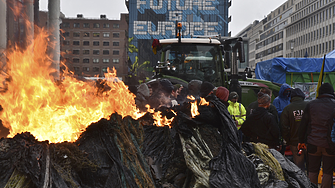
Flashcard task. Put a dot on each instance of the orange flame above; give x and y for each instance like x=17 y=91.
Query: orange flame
x=158 y=119
x=194 y=105
x=33 y=102
x=203 y=102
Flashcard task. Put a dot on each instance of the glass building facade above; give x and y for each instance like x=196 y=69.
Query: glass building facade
x=156 y=19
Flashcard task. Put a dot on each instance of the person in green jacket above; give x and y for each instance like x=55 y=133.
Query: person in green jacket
x=236 y=109
x=290 y=121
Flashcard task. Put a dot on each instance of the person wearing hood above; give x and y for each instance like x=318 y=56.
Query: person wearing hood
x=314 y=134
x=236 y=109
x=283 y=98
x=290 y=121
x=261 y=126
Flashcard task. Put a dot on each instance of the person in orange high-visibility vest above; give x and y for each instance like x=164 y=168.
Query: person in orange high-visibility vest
x=236 y=110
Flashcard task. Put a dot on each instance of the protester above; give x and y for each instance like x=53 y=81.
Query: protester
x=161 y=94
x=272 y=109
x=174 y=94
x=332 y=134
x=142 y=96
x=236 y=109
x=222 y=93
x=314 y=133
x=261 y=126
x=206 y=88
x=283 y=98
x=181 y=98
x=290 y=121
x=194 y=88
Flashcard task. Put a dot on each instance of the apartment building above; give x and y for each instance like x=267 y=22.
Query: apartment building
x=297 y=28
x=91 y=46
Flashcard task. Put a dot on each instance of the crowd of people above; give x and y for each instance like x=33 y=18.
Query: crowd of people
x=305 y=127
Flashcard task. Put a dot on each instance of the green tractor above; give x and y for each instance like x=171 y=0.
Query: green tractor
x=205 y=59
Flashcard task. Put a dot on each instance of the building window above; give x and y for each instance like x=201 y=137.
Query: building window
x=86 y=25
x=66 y=24
x=65 y=42
x=86 y=43
x=95 y=60
x=96 y=52
x=86 y=60
x=86 y=34
x=116 y=35
x=116 y=25
x=76 y=69
x=106 y=25
x=105 y=60
x=116 y=60
x=95 y=69
x=105 y=43
x=86 y=52
x=86 y=69
x=326 y=30
x=106 y=35
x=66 y=34
x=116 y=43
x=104 y=69
x=75 y=51
x=96 y=34
x=96 y=43
x=96 y=25
x=76 y=34
x=75 y=60
x=116 y=52
x=326 y=46
x=76 y=43
x=105 y=52
x=76 y=25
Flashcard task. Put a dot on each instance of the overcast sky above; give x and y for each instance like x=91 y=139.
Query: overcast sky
x=243 y=12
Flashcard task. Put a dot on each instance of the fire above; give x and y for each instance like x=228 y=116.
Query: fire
x=158 y=119
x=56 y=111
x=194 y=105
x=203 y=102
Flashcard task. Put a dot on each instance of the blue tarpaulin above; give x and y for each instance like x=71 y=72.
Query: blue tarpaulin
x=275 y=69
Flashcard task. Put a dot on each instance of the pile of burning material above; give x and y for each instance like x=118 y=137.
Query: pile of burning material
x=107 y=154
x=188 y=156
x=203 y=151
x=193 y=145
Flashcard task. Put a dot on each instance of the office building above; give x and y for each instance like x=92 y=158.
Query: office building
x=297 y=28
x=156 y=19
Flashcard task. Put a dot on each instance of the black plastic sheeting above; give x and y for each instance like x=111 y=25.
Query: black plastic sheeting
x=294 y=176
x=107 y=154
x=24 y=153
x=100 y=141
x=123 y=152
x=229 y=167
